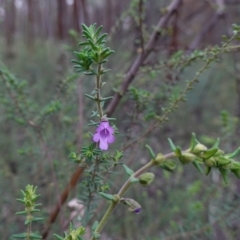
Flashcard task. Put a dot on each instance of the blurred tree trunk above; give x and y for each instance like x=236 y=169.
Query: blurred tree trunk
x=108 y=15
x=85 y=12
x=10 y=16
x=61 y=19
x=30 y=24
x=76 y=15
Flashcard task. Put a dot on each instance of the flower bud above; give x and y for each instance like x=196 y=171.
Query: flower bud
x=199 y=148
x=187 y=157
x=168 y=165
x=159 y=159
x=146 y=178
x=211 y=162
x=219 y=153
x=223 y=161
x=235 y=165
x=132 y=204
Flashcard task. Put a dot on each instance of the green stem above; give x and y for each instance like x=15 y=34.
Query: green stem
x=123 y=189
x=98 y=86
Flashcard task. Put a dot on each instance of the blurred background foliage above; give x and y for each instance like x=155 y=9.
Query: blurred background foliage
x=44 y=113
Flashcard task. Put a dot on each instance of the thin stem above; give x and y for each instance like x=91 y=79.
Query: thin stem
x=98 y=86
x=123 y=189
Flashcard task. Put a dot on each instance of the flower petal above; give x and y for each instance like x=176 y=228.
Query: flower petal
x=103 y=144
x=110 y=139
x=110 y=129
x=96 y=137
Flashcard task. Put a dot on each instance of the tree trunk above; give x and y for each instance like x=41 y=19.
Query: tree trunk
x=9 y=24
x=76 y=15
x=30 y=24
x=61 y=19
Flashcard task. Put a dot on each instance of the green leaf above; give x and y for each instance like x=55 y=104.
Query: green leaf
x=107 y=196
x=152 y=154
x=21 y=235
x=92 y=44
x=87 y=35
x=84 y=43
x=91 y=97
x=20 y=200
x=94 y=226
x=98 y=31
x=178 y=152
x=216 y=144
x=223 y=161
x=173 y=147
x=193 y=142
x=21 y=213
x=235 y=165
x=168 y=165
x=208 y=170
x=197 y=166
x=99 y=41
x=128 y=170
x=37 y=219
x=58 y=237
x=209 y=153
x=96 y=235
x=106 y=98
x=85 y=27
x=35 y=236
x=236 y=172
x=224 y=174
x=234 y=154
x=134 y=180
x=89 y=73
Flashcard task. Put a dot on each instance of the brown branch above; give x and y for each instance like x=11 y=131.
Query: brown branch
x=140 y=6
x=218 y=15
x=141 y=57
x=63 y=198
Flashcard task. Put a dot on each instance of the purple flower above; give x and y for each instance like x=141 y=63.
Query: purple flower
x=104 y=135
x=137 y=210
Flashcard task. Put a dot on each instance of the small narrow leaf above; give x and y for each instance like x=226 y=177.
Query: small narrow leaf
x=193 y=142
x=173 y=147
x=83 y=44
x=178 y=152
x=94 y=226
x=128 y=170
x=152 y=154
x=197 y=166
x=236 y=172
x=208 y=170
x=168 y=165
x=99 y=41
x=224 y=174
x=98 y=31
x=106 y=98
x=107 y=196
x=58 y=237
x=36 y=219
x=216 y=144
x=21 y=213
x=91 y=97
x=21 y=235
x=234 y=154
x=96 y=235
x=209 y=153
x=134 y=180
x=35 y=236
